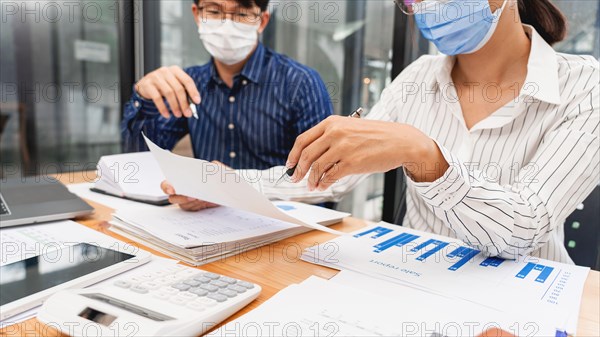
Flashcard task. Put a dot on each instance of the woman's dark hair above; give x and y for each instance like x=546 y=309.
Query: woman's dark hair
x=545 y=17
x=262 y=4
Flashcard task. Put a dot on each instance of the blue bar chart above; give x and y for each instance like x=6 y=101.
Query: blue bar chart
x=545 y=272
x=377 y=232
x=459 y=257
x=465 y=254
x=397 y=241
x=439 y=245
x=492 y=262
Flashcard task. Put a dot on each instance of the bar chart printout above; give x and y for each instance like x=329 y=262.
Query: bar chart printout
x=397 y=241
x=492 y=262
x=465 y=254
x=438 y=245
x=438 y=263
x=544 y=272
x=377 y=232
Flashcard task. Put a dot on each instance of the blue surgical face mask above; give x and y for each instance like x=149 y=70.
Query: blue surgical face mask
x=457 y=26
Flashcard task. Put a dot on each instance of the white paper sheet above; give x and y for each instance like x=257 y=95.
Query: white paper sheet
x=135 y=175
x=311 y=213
x=213 y=182
x=317 y=307
x=206 y=227
x=429 y=261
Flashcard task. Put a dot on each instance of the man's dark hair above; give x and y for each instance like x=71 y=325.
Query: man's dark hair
x=262 y=4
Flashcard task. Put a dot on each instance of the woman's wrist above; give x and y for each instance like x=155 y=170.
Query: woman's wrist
x=425 y=161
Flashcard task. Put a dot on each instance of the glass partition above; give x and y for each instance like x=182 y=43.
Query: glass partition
x=59 y=74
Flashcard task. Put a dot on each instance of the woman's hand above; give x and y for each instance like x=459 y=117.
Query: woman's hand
x=341 y=146
x=185 y=203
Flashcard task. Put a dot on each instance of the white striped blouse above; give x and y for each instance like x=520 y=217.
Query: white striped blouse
x=514 y=177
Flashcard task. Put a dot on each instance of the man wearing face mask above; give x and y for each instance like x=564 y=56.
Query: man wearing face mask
x=251 y=101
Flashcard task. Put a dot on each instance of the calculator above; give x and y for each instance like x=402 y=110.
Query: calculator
x=171 y=301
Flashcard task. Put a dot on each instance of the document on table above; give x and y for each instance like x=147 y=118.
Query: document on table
x=317 y=307
x=215 y=183
x=448 y=266
x=195 y=229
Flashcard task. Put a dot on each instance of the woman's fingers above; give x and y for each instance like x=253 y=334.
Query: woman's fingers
x=303 y=141
x=308 y=158
x=333 y=175
x=320 y=166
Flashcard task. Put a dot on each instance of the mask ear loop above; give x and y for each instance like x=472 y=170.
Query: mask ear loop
x=495 y=20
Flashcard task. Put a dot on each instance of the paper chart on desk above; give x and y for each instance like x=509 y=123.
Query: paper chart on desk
x=214 y=183
x=448 y=266
x=317 y=307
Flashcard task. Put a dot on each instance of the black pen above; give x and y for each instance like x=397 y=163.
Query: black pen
x=290 y=172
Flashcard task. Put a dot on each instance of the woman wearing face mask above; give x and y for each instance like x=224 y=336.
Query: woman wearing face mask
x=498 y=138
x=255 y=102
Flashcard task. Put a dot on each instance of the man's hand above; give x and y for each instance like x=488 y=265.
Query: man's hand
x=173 y=84
x=185 y=203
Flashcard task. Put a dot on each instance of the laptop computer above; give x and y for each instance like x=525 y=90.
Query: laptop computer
x=34 y=200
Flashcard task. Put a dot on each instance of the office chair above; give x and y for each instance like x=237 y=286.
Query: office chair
x=582 y=232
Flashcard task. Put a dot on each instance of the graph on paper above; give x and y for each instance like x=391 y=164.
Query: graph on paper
x=450 y=266
x=463 y=254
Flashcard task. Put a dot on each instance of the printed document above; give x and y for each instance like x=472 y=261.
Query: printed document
x=215 y=183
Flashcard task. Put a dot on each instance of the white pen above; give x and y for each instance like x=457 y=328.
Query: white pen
x=193 y=107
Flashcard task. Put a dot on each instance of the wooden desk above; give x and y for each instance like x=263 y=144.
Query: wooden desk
x=276 y=266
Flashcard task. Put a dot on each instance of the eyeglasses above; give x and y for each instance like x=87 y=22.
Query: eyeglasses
x=240 y=15
x=410 y=7
x=406 y=6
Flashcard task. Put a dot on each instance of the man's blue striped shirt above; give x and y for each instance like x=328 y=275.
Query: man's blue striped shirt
x=252 y=125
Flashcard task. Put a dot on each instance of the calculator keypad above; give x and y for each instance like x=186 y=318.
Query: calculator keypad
x=192 y=288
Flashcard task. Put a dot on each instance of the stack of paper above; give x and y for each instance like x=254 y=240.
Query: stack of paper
x=134 y=176
x=447 y=266
x=210 y=234
x=352 y=306
x=223 y=186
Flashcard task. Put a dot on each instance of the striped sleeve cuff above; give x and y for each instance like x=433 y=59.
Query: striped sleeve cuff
x=450 y=189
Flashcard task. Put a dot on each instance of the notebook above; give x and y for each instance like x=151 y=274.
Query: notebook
x=133 y=176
